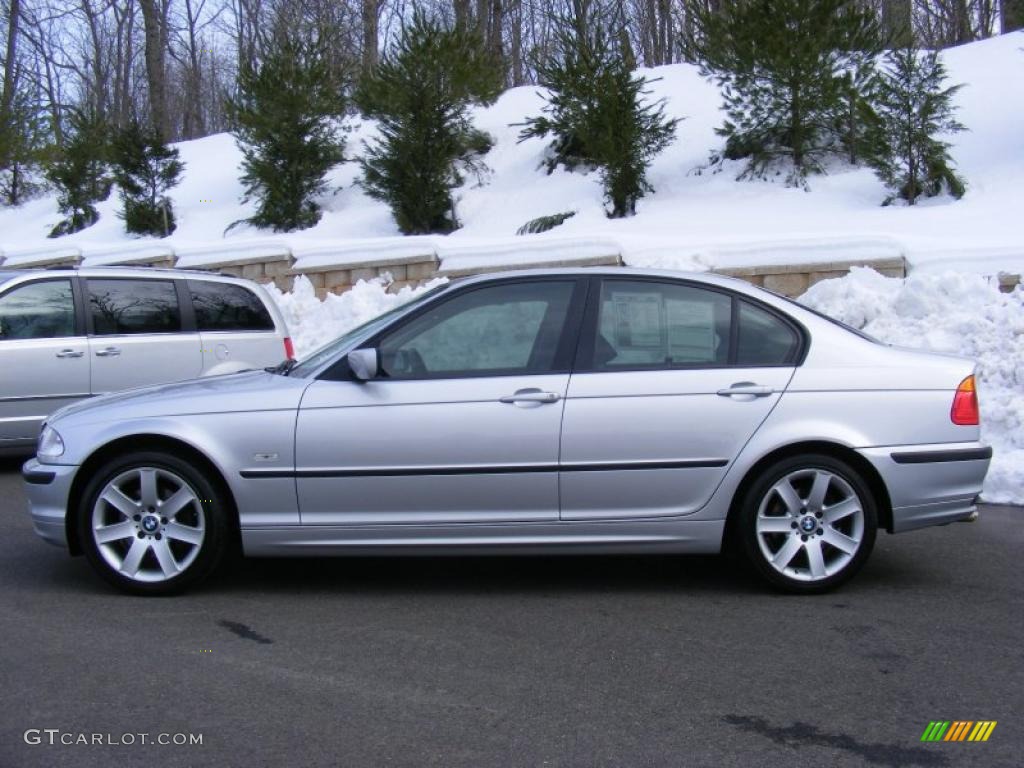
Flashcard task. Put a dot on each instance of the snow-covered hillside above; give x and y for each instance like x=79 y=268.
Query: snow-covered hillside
x=689 y=216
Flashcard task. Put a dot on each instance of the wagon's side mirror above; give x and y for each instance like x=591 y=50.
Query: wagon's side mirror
x=364 y=363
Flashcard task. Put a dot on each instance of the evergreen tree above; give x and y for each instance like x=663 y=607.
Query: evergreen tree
x=421 y=93
x=22 y=142
x=785 y=67
x=284 y=118
x=145 y=169
x=595 y=107
x=909 y=107
x=79 y=172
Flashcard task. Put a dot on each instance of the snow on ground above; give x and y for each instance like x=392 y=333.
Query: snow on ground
x=950 y=312
x=693 y=218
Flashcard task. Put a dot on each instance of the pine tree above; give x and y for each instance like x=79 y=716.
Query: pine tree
x=22 y=142
x=784 y=67
x=909 y=106
x=79 y=172
x=595 y=107
x=145 y=169
x=421 y=93
x=284 y=118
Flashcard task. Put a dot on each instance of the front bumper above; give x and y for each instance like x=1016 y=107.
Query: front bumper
x=48 y=487
x=931 y=484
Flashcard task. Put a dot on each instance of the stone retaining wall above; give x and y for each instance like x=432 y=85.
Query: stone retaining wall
x=419 y=266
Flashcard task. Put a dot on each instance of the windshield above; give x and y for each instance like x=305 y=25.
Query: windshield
x=314 y=360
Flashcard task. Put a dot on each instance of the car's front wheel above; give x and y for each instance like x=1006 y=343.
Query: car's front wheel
x=808 y=523
x=151 y=524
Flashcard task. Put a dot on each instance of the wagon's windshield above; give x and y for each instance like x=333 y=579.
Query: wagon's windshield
x=317 y=358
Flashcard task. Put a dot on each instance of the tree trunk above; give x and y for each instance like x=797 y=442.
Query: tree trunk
x=1012 y=16
x=10 y=61
x=371 y=50
x=962 y=22
x=518 y=75
x=154 y=21
x=896 y=22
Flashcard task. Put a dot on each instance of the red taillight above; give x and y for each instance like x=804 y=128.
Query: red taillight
x=289 y=350
x=965 y=403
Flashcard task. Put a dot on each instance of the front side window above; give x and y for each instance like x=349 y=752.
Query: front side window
x=644 y=324
x=39 y=310
x=498 y=330
x=228 y=307
x=133 y=306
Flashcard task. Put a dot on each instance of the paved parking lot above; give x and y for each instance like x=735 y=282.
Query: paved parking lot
x=654 y=661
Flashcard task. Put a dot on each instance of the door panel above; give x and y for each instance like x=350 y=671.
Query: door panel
x=672 y=420
x=419 y=451
x=43 y=358
x=675 y=378
x=462 y=425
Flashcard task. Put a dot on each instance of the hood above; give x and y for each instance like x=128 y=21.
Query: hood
x=249 y=391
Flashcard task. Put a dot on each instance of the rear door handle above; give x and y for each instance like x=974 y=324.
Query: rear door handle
x=69 y=353
x=108 y=352
x=530 y=396
x=746 y=388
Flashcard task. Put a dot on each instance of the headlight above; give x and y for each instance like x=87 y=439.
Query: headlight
x=50 y=445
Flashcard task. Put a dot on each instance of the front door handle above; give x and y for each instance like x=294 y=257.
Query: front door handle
x=748 y=388
x=530 y=396
x=69 y=353
x=108 y=352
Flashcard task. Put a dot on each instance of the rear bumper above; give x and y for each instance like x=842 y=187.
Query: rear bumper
x=48 y=487
x=931 y=484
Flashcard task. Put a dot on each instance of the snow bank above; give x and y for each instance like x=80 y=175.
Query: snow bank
x=313 y=322
x=950 y=312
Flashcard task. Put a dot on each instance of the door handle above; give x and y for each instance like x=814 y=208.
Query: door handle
x=530 y=396
x=69 y=353
x=108 y=352
x=746 y=388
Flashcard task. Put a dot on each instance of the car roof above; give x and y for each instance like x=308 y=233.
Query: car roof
x=708 y=278
x=117 y=271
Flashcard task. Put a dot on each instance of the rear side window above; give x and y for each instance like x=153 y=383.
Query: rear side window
x=228 y=307
x=39 y=310
x=764 y=339
x=133 y=306
x=660 y=325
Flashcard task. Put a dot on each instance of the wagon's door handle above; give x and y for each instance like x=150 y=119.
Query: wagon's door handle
x=746 y=388
x=108 y=352
x=69 y=353
x=530 y=396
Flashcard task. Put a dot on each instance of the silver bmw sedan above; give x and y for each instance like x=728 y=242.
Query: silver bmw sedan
x=555 y=411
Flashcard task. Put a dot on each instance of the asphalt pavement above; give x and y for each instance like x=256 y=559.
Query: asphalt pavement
x=560 y=661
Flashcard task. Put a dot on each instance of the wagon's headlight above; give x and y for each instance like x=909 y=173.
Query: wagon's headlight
x=50 y=445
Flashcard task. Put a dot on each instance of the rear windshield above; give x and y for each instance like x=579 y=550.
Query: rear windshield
x=228 y=307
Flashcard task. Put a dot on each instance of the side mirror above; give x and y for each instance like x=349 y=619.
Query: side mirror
x=364 y=363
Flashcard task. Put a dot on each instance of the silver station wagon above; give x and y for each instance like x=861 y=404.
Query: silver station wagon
x=569 y=411
x=66 y=334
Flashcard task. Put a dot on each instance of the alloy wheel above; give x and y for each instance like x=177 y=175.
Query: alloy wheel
x=810 y=525
x=148 y=524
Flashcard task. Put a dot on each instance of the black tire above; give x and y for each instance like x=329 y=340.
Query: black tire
x=796 y=577
x=214 y=511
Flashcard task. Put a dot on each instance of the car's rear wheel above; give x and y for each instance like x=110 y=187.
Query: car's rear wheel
x=807 y=523
x=151 y=524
